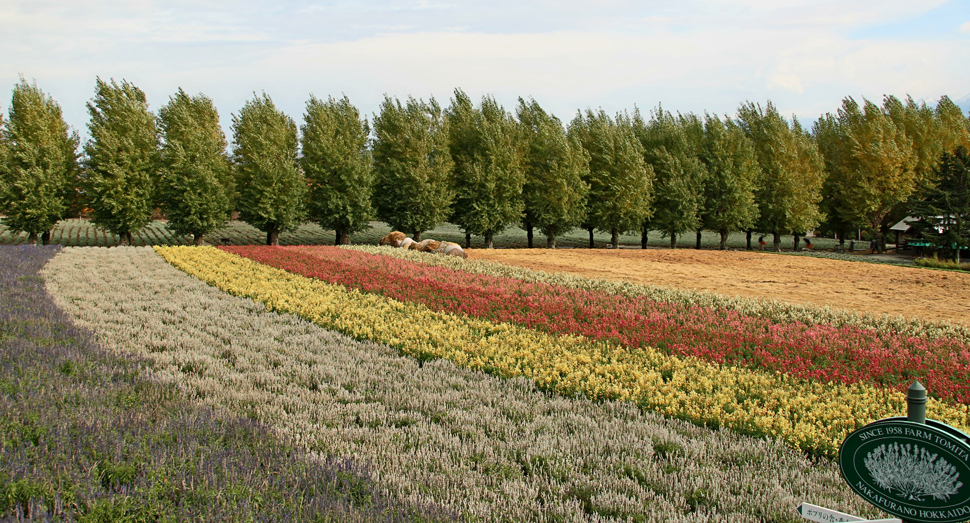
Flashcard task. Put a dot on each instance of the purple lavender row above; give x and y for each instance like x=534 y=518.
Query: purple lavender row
x=85 y=434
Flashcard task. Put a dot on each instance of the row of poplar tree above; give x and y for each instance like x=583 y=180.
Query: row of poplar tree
x=479 y=167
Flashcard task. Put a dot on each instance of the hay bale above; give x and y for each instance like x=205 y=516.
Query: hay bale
x=426 y=246
x=394 y=239
x=454 y=249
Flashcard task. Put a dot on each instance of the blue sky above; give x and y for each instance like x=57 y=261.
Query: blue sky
x=693 y=55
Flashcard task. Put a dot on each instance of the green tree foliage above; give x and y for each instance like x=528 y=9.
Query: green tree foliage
x=271 y=187
x=944 y=211
x=838 y=217
x=555 y=165
x=488 y=167
x=878 y=165
x=338 y=166
x=620 y=181
x=412 y=166
x=195 y=180
x=40 y=156
x=792 y=172
x=732 y=171
x=671 y=149
x=121 y=159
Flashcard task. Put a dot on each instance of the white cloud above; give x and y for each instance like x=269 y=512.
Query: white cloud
x=965 y=27
x=705 y=55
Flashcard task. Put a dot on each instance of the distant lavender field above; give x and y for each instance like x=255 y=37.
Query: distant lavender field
x=88 y=436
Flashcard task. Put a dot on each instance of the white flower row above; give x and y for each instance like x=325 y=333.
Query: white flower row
x=493 y=449
x=768 y=308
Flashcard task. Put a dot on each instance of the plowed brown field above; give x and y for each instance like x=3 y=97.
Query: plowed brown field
x=864 y=287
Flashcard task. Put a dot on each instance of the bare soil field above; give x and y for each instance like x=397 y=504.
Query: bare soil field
x=863 y=287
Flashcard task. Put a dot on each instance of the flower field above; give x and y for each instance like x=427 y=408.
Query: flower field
x=810 y=415
x=385 y=385
x=430 y=432
x=846 y=354
x=88 y=435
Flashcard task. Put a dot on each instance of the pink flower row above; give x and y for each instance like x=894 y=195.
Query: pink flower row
x=821 y=352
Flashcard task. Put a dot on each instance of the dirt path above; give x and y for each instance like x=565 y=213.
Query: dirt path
x=867 y=287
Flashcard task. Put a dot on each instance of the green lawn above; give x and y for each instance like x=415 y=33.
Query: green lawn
x=79 y=232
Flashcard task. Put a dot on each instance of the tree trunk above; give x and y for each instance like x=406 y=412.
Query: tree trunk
x=590 y=229
x=748 y=237
x=197 y=239
x=45 y=238
x=643 y=238
x=417 y=236
x=468 y=240
x=776 y=241
x=32 y=238
x=488 y=241
x=551 y=241
x=841 y=235
x=343 y=237
x=795 y=246
x=615 y=238
x=724 y=238
x=673 y=241
x=698 y=246
x=528 y=234
x=272 y=236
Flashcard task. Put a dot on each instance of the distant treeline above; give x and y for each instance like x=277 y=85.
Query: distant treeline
x=416 y=165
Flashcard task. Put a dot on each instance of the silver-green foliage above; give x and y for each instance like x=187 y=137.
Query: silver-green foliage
x=554 y=192
x=338 y=166
x=767 y=308
x=195 y=182
x=271 y=187
x=491 y=449
x=121 y=159
x=620 y=181
x=412 y=165
x=40 y=155
x=488 y=166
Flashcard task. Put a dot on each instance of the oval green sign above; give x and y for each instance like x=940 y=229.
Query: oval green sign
x=910 y=470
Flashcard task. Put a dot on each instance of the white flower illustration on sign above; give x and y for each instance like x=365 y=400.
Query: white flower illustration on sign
x=911 y=472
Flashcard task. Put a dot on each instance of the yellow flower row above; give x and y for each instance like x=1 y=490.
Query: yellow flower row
x=814 y=417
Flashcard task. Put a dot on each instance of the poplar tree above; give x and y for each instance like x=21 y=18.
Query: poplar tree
x=679 y=174
x=121 y=159
x=338 y=166
x=554 y=192
x=878 y=168
x=39 y=153
x=195 y=181
x=271 y=187
x=831 y=144
x=732 y=171
x=792 y=172
x=620 y=182
x=488 y=167
x=412 y=166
